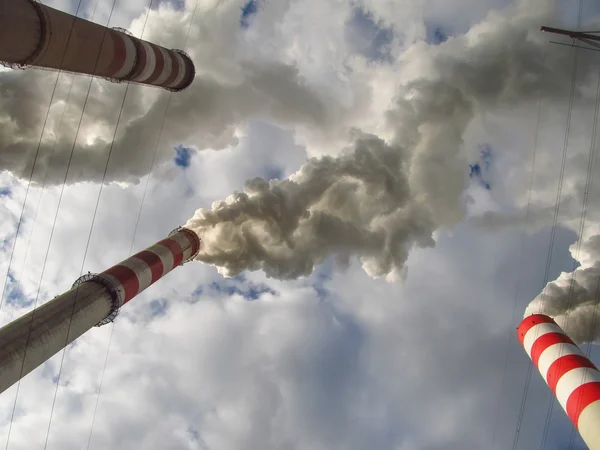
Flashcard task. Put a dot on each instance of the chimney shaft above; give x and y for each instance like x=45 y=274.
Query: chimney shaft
x=32 y=34
x=93 y=300
x=573 y=379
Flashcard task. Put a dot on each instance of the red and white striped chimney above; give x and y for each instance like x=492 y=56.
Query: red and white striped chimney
x=573 y=379
x=136 y=273
x=93 y=300
x=32 y=34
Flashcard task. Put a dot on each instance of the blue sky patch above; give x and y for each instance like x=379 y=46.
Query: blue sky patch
x=479 y=171
x=14 y=293
x=178 y=5
x=367 y=37
x=272 y=172
x=194 y=433
x=4 y=244
x=321 y=276
x=438 y=36
x=476 y=173
x=486 y=155
x=158 y=307
x=239 y=285
x=248 y=10
x=5 y=191
x=198 y=291
x=183 y=156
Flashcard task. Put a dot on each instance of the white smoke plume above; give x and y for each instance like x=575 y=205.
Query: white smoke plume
x=573 y=298
x=207 y=112
x=359 y=203
x=379 y=199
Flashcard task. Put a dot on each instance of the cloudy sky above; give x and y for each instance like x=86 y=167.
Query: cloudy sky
x=397 y=166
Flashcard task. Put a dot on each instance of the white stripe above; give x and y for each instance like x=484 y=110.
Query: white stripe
x=572 y=380
x=537 y=331
x=150 y=63
x=165 y=256
x=588 y=425
x=142 y=271
x=167 y=67
x=129 y=56
x=181 y=73
x=116 y=284
x=554 y=352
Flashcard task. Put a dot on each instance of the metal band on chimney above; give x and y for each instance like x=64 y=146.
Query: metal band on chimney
x=45 y=31
x=113 y=290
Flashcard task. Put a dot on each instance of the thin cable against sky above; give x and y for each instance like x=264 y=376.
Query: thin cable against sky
x=135 y=229
x=37 y=153
x=554 y=226
x=518 y=270
x=52 y=233
x=93 y=219
x=21 y=219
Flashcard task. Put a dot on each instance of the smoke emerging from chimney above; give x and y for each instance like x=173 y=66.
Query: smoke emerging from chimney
x=380 y=199
x=359 y=203
x=572 y=299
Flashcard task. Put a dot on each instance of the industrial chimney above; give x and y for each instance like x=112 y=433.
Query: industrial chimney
x=32 y=34
x=573 y=379
x=94 y=299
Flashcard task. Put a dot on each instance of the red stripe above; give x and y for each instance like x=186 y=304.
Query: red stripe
x=158 y=67
x=582 y=397
x=174 y=68
x=545 y=341
x=140 y=61
x=153 y=261
x=119 y=53
x=529 y=322
x=127 y=278
x=563 y=365
x=175 y=250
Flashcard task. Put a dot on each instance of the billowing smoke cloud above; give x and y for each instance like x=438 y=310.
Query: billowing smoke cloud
x=207 y=112
x=573 y=298
x=379 y=199
x=359 y=203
